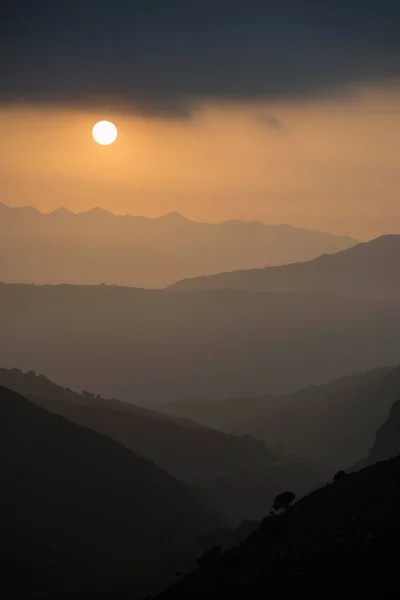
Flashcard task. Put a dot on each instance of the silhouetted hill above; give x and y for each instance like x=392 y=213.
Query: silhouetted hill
x=97 y=246
x=340 y=541
x=334 y=423
x=160 y=345
x=77 y=508
x=387 y=441
x=366 y=270
x=238 y=474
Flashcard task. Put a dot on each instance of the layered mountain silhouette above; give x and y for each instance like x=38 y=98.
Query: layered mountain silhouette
x=162 y=345
x=97 y=246
x=238 y=475
x=82 y=516
x=340 y=541
x=78 y=509
x=368 y=270
x=334 y=423
x=387 y=441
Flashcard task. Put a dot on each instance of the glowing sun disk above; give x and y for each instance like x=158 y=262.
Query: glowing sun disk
x=104 y=133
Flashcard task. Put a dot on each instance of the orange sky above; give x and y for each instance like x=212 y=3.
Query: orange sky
x=326 y=164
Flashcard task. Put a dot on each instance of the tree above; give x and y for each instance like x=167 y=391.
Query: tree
x=283 y=500
x=340 y=475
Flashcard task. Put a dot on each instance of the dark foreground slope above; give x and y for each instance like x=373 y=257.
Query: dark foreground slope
x=334 y=423
x=238 y=474
x=78 y=509
x=162 y=345
x=340 y=541
x=366 y=270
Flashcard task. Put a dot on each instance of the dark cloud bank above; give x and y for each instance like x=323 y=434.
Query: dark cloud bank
x=161 y=56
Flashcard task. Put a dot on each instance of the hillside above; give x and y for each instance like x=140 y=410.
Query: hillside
x=75 y=501
x=237 y=474
x=158 y=345
x=367 y=270
x=140 y=251
x=387 y=441
x=340 y=541
x=334 y=423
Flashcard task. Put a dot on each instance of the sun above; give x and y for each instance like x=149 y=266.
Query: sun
x=104 y=133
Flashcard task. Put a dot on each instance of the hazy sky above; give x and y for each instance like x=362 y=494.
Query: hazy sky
x=224 y=110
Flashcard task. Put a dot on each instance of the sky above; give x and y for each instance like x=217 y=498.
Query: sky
x=282 y=112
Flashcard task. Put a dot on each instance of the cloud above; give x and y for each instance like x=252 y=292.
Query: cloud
x=122 y=102
x=270 y=121
x=161 y=58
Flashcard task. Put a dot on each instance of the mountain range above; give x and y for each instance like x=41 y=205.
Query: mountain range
x=97 y=246
x=155 y=346
x=216 y=424
x=78 y=509
x=82 y=516
x=334 y=423
x=368 y=270
x=345 y=533
x=238 y=475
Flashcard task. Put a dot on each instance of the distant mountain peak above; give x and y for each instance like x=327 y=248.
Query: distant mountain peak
x=145 y=251
x=97 y=210
x=61 y=211
x=174 y=217
x=366 y=270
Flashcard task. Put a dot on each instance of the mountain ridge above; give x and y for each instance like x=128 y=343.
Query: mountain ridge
x=218 y=465
x=345 y=533
x=366 y=269
x=161 y=345
x=335 y=421
x=78 y=502
x=387 y=439
x=97 y=246
x=171 y=215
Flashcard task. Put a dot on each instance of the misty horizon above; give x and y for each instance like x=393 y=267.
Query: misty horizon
x=144 y=252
